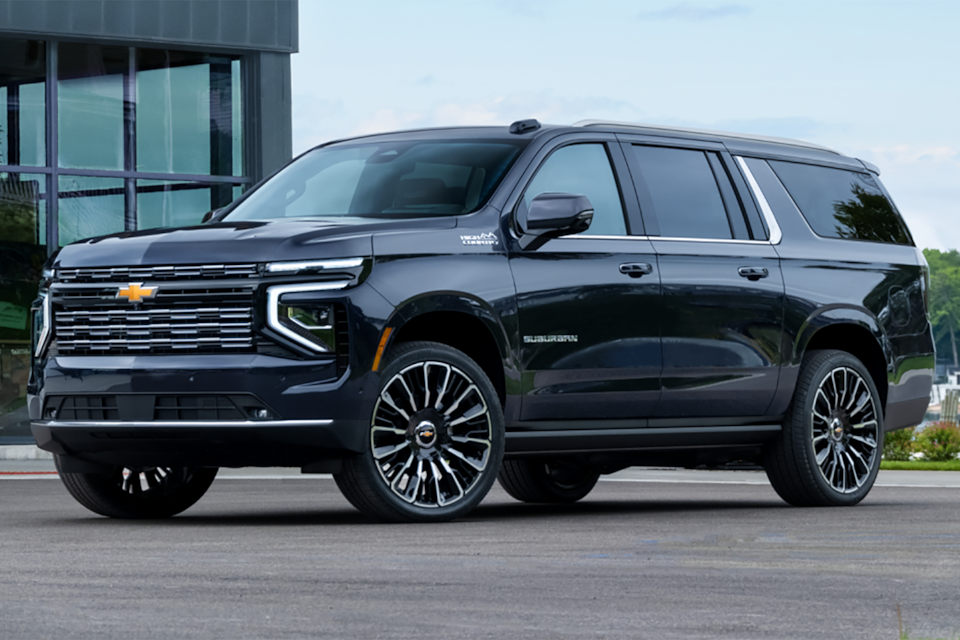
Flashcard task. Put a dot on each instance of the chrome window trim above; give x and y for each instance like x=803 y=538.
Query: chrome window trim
x=667 y=238
x=775 y=234
x=273 y=301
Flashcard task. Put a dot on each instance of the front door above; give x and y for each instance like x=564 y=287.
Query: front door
x=588 y=316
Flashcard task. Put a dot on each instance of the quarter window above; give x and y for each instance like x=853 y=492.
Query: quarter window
x=583 y=169
x=683 y=191
x=842 y=204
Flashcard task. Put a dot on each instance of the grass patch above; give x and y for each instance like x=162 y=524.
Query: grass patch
x=919 y=465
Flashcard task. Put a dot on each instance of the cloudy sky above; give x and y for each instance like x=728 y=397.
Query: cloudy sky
x=879 y=80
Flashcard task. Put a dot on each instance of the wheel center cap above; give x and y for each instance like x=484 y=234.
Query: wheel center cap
x=836 y=428
x=425 y=434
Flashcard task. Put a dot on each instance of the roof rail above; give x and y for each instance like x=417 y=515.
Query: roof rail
x=725 y=134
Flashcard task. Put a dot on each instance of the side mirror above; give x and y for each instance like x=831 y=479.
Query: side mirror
x=552 y=215
x=210 y=215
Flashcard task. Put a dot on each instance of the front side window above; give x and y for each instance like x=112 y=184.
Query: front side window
x=842 y=204
x=390 y=179
x=684 y=192
x=583 y=170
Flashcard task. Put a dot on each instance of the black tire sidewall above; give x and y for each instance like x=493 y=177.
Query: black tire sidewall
x=528 y=480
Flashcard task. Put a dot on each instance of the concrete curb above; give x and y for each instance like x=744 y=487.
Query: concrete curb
x=24 y=452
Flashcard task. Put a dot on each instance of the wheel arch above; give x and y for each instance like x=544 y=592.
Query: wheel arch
x=853 y=331
x=462 y=322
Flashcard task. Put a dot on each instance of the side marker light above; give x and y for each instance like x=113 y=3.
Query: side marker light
x=380 y=347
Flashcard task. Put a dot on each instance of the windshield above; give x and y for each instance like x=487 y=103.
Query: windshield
x=388 y=179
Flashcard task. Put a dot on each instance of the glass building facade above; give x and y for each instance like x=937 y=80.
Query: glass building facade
x=103 y=137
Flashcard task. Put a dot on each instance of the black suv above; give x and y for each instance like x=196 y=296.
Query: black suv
x=419 y=313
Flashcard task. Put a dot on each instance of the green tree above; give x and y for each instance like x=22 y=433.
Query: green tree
x=869 y=216
x=945 y=296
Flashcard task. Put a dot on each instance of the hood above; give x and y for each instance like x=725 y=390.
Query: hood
x=248 y=241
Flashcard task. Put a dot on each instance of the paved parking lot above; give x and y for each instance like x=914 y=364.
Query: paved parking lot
x=649 y=554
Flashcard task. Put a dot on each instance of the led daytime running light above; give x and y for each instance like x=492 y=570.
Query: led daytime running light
x=315 y=265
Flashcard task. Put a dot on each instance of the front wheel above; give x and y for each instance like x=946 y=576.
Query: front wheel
x=435 y=442
x=553 y=481
x=153 y=492
x=828 y=453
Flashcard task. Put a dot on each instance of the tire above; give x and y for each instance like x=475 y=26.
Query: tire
x=551 y=481
x=152 y=493
x=829 y=450
x=436 y=439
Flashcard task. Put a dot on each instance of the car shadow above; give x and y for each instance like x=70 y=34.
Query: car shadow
x=496 y=512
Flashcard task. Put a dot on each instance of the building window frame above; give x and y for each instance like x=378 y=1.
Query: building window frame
x=223 y=185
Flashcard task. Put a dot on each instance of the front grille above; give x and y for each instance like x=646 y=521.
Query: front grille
x=175 y=408
x=105 y=318
x=83 y=408
x=175 y=272
x=124 y=330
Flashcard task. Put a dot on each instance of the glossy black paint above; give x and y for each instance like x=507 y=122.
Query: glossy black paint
x=678 y=352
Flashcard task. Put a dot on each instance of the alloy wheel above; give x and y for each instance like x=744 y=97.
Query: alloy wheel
x=431 y=436
x=845 y=430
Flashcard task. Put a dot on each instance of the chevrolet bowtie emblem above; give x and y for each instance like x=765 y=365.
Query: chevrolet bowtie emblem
x=134 y=292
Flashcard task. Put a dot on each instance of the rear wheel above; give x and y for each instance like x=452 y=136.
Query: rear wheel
x=153 y=492
x=436 y=439
x=828 y=453
x=538 y=480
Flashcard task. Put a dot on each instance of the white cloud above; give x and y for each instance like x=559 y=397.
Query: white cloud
x=907 y=154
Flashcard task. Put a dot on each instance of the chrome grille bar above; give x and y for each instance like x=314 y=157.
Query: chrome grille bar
x=182 y=272
x=120 y=330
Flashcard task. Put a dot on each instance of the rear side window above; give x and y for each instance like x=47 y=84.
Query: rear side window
x=842 y=204
x=684 y=193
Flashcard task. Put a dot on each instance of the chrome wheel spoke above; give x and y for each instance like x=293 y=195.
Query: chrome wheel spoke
x=441 y=394
x=386 y=397
x=870 y=442
x=823 y=455
x=478 y=465
x=382 y=452
x=403 y=383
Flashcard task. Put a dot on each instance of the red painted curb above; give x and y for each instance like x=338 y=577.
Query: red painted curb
x=27 y=473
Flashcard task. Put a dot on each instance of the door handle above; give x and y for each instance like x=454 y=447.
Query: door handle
x=636 y=269
x=753 y=273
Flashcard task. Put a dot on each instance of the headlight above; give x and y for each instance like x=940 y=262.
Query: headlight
x=40 y=321
x=306 y=322
x=312 y=323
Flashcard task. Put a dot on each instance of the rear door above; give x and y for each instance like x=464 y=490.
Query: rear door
x=587 y=303
x=721 y=313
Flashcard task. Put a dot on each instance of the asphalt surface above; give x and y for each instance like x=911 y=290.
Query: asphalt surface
x=649 y=554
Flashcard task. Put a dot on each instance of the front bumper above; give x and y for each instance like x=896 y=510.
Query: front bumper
x=286 y=443
x=219 y=410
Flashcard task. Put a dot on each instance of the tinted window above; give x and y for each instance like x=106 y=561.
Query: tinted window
x=583 y=169
x=842 y=204
x=683 y=191
x=397 y=180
